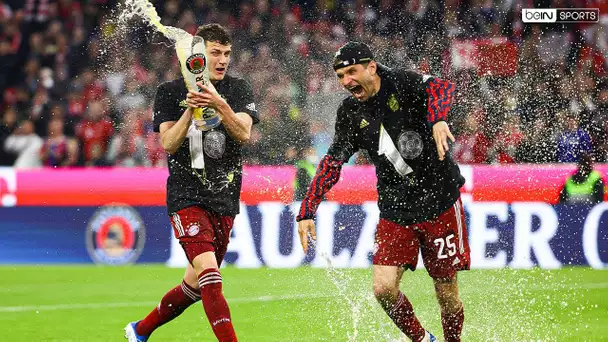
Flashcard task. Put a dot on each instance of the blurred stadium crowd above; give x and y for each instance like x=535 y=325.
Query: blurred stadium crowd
x=77 y=87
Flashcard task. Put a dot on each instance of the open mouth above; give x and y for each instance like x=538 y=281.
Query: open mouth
x=356 y=90
x=220 y=70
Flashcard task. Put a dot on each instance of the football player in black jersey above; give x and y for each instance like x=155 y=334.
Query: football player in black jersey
x=398 y=116
x=204 y=184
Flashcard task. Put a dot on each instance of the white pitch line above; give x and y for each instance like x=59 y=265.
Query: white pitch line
x=55 y=307
x=136 y=304
x=590 y=286
x=557 y=288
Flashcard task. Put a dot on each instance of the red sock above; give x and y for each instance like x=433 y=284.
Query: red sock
x=216 y=307
x=452 y=325
x=172 y=305
x=402 y=313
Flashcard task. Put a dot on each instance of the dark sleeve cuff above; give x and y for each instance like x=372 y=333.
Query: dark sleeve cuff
x=305 y=217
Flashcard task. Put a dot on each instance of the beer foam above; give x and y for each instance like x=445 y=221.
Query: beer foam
x=146 y=10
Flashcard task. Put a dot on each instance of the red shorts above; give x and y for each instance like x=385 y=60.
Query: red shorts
x=199 y=231
x=443 y=242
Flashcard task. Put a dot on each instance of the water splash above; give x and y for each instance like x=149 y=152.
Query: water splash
x=361 y=305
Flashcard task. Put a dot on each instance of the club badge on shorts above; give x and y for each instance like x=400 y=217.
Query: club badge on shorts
x=193 y=229
x=115 y=235
x=215 y=144
x=410 y=144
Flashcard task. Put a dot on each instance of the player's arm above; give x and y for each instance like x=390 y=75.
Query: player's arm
x=238 y=125
x=326 y=176
x=173 y=127
x=439 y=96
x=173 y=133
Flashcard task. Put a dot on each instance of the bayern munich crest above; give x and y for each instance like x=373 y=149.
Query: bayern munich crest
x=193 y=229
x=410 y=144
x=196 y=63
x=115 y=235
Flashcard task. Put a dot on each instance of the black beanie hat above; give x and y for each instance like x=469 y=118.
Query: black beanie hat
x=352 y=53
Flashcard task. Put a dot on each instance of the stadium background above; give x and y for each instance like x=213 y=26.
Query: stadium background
x=82 y=173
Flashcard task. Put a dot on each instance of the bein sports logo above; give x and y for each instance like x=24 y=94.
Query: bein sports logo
x=560 y=15
x=8 y=187
x=115 y=235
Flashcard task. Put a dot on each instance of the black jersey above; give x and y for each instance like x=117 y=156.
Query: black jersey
x=395 y=127
x=206 y=170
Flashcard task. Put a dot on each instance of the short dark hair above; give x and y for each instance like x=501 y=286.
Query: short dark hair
x=214 y=33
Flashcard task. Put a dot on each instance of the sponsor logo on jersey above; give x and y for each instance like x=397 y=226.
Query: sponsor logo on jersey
x=251 y=107
x=115 y=235
x=363 y=124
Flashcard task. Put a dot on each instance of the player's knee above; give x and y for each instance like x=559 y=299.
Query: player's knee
x=451 y=306
x=192 y=282
x=449 y=301
x=447 y=294
x=385 y=293
x=204 y=261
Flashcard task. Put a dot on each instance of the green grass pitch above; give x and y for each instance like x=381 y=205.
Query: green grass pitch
x=90 y=303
